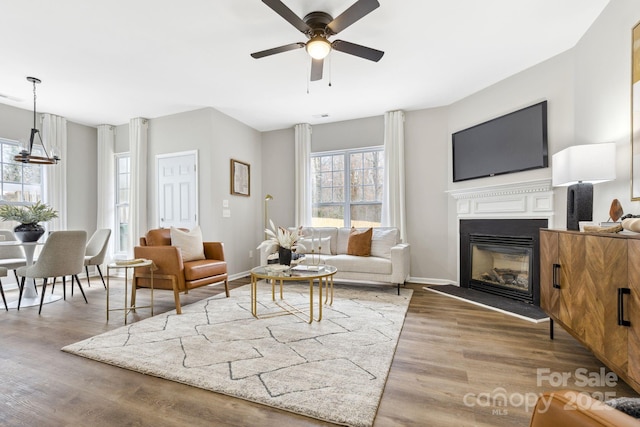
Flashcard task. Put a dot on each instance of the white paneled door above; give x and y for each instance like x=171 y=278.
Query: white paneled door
x=177 y=189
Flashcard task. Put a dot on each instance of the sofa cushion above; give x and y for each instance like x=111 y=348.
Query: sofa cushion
x=358 y=264
x=360 y=242
x=383 y=240
x=318 y=245
x=189 y=243
x=200 y=269
x=320 y=232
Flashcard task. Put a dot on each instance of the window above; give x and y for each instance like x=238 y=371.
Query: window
x=346 y=188
x=21 y=183
x=123 y=179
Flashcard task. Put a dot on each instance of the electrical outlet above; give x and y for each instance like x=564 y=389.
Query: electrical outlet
x=250 y=254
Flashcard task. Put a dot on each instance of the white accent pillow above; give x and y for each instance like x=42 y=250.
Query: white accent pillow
x=383 y=240
x=324 y=243
x=189 y=243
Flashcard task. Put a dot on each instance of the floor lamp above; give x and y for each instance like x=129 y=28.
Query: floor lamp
x=578 y=168
x=267 y=198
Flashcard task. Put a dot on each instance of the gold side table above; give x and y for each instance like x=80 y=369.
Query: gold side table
x=143 y=263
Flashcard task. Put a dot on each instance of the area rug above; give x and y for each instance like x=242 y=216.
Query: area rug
x=504 y=305
x=333 y=370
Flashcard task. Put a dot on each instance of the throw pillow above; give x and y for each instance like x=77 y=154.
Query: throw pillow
x=324 y=243
x=360 y=242
x=189 y=243
x=628 y=405
x=383 y=240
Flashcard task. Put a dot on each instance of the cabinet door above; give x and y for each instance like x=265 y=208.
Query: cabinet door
x=572 y=257
x=549 y=270
x=632 y=311
x=607 y=271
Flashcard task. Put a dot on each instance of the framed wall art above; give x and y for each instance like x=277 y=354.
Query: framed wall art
x=635 y=113
x=240 y=178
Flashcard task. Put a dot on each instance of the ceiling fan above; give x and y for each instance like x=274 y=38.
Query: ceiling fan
x=318 y=27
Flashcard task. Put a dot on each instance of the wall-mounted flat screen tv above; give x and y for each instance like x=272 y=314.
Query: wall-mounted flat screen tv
x=514 y=142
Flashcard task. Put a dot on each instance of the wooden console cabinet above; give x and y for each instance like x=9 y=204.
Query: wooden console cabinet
x=590 y=285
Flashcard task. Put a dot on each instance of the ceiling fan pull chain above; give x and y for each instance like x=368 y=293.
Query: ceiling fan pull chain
x=330 y=67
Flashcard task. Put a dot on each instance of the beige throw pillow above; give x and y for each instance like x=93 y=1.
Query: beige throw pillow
x=324 y=245
x=189 y=243
x=360 y=242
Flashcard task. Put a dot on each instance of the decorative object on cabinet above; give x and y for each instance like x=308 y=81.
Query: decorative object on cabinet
x=579 y=167
x=615 y=211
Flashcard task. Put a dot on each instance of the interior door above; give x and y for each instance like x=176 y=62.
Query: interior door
x=177 y=189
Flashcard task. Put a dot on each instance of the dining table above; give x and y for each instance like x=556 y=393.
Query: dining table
x=29 y=296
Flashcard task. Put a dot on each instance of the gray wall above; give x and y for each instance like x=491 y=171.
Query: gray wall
x=217 y=138
x=81 y=164
x=588 y=94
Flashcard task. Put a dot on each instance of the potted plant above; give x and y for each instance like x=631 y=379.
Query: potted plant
x=285 y=240
x=29 y=218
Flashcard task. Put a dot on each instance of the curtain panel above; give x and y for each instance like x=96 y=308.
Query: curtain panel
x=54 y=137
x=393 y=204
x=138 y=192
x=303 y=174
x=106 y=182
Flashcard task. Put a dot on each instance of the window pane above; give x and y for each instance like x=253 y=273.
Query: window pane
x=32 y=174
x=369 y=215
x=327 y=216
x=11 y=173
x=20 y=182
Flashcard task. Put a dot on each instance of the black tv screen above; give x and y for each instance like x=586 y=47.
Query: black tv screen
x=512 y=143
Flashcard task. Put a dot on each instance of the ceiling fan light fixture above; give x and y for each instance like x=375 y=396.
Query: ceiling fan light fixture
x=318 y=47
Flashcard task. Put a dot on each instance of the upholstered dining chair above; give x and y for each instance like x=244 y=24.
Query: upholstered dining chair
x=96 y=251
x=3 y=273
x=62 y=255
x=11 y=256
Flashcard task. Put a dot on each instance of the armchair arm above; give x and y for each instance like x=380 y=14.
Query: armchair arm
x=214 y=250
x=400 y=262
x=166 y=258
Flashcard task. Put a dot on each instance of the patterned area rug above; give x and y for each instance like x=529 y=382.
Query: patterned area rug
x=333 y=370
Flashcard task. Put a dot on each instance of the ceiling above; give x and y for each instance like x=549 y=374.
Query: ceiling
x=108 y=61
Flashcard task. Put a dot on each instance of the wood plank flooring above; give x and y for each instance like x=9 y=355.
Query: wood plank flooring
x=452 y=359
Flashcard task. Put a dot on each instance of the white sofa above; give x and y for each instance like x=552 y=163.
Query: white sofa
x=389 y=261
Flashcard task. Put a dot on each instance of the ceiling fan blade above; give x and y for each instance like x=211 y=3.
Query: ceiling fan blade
x=293 y=19
x=355 y=12
x=316 y=69
x=357 y=50
x=275 y=50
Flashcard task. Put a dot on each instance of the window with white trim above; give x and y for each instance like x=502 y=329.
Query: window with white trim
x=123 y=185
x=346 y=188
x=21 y=183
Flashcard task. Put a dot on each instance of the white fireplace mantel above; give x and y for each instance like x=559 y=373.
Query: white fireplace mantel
x=528 y=199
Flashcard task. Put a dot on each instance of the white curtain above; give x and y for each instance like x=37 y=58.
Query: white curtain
x=54 y=137
x=106 y=182
x=138 y=191
x=303 y=174
x=393 y=205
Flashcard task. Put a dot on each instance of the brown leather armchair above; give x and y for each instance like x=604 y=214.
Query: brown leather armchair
x=174 y=274
x=569 y=408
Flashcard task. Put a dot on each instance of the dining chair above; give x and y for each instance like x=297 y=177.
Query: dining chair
x=62 y=255
x=11 y=256
x=96 y=251
x=3 y=273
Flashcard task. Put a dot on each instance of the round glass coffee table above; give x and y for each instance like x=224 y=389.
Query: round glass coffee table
x=276 y=273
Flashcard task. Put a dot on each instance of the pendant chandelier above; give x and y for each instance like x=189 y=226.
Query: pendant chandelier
x=26 y=156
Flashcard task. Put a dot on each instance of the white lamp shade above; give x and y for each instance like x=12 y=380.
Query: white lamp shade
x=590 y=163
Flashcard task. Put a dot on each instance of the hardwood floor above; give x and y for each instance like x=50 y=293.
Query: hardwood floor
x=452 y=359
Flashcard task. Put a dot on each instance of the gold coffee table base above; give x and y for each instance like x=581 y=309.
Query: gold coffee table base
x=323 y=276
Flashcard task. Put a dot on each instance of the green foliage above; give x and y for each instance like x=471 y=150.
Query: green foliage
x=38 y=212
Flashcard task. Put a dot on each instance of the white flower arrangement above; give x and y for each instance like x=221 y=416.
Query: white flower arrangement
x=281 y=237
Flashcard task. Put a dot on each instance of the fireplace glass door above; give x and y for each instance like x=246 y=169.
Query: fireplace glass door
x=502 y=268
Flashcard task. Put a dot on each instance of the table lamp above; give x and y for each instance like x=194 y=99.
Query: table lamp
x=578 y=168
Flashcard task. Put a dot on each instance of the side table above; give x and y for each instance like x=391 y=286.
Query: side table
x=127 y=265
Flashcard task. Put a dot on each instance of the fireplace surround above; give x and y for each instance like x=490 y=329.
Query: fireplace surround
x=525 y=200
